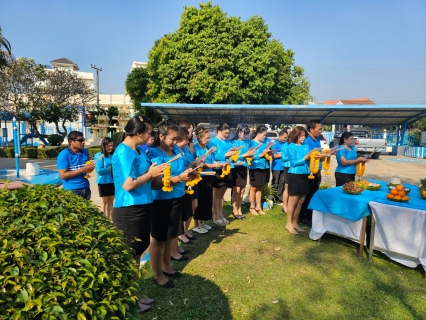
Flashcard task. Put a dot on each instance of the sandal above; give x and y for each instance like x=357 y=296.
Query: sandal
x=219 y=222
x=199 y=230
x=253 y=212
x=238 y=216
x=205 y=226
x=260 y=211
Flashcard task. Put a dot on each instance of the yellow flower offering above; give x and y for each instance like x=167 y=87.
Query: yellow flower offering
x=268 y=157
x=87 y=175
x=360 y=168
x=249 y=159
x=166 y=179
x=235 y=156
x=326 y=162
x=225 y=171
x=313 y=164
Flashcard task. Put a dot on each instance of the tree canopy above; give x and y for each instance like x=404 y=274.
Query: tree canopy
x=212 y=58
x=5 y=51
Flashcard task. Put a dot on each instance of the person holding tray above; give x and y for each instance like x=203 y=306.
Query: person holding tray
x=347 y=159
x=167 y=219
x=259 y=168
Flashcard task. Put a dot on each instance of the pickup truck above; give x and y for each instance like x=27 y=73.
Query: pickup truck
x=364 y=143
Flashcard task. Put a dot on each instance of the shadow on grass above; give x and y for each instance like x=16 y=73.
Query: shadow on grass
x=194 y=297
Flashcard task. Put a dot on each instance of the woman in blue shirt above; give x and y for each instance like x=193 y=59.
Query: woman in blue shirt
x=167 y=220
x=347 y=159
x=104 y=178
x=221 y=155
x=286 y=164
x=259 y=169
x=298 y=182
x=133 y=174
x=239 y=170
x=203 y=211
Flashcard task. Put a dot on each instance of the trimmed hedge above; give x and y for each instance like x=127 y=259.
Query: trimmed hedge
x=55 y=139
x=61 y=259
x=45 y=153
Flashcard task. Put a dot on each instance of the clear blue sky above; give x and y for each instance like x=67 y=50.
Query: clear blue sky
x=348 y=48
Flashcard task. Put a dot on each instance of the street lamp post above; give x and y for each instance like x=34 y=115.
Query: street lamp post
x=97 y=82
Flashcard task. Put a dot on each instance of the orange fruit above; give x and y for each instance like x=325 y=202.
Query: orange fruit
x=405 y=198
x=394 y=192
x=401 y=193
x=399 y=188
x=390 y=196
x=397 y=198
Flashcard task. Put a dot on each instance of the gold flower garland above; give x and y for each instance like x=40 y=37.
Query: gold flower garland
x=326 y=162
x=268 y=157
x=235 y=156
x=313 y=164
x=360 y=168
x=225 y=171
x=193 y=182
x=166 y=179
x=249 y=159
x=87 y=175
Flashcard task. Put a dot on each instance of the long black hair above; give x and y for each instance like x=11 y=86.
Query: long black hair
x=106 y=141
x=345 y=135
x=163 y=128
x=241 y=128
x=260 y=129
x=135 y=125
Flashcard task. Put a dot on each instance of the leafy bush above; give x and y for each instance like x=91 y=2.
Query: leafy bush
x=114 y=138
x=60 y=259
x=31 y=152
x=93 y=151
x=55 y=139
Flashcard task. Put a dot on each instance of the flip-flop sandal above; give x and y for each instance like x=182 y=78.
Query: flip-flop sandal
x=205 y=226
x=199 y=230
x=219 y=222
x=254 y=212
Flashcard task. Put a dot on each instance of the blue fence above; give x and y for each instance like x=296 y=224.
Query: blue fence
x=415 y=152
x=391 y=138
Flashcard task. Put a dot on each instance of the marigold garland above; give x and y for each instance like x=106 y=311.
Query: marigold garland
x=235 y=156
x=326 y=162
x=225 y=171
x=360 y=168
x=313 y=164
x=193 y=182
x=87 y=175
x=249 y=159
x=166 y=179
x=268 y=157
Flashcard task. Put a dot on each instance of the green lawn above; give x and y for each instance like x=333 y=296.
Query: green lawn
x=254 y=269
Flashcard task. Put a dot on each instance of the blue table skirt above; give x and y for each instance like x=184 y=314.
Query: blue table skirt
x=352 y=207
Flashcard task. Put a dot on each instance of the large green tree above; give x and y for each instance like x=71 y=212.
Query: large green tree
x=136 y=87
x=213 y=58
x=5 y=51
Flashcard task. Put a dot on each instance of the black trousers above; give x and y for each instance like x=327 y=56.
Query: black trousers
x=305 y=213
x=342 y=178
x=278 y=182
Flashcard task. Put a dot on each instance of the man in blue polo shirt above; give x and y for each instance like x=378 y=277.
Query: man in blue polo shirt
x=72 y=167
x=312 y=141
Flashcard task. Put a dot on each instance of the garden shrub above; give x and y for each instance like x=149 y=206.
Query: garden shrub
x=55 y=139
x=93 y=150
x=61 y=259
x=114 y=138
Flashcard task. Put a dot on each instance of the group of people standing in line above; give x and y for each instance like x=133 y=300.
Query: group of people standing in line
x=148 y=191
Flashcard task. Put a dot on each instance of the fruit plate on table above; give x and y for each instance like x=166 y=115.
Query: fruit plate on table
x=355 y=193
x=373 y=186
x=393 y=187
x=398 y=200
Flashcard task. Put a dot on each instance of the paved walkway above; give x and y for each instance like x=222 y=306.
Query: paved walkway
x=408 y=170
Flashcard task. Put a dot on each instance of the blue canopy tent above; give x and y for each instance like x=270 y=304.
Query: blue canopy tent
x=401 y=115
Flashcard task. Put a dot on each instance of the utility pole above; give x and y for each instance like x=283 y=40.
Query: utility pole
x=97 y=83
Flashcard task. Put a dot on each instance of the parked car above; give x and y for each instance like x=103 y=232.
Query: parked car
x=364 y=143
x=272 y=135
x=324 y=142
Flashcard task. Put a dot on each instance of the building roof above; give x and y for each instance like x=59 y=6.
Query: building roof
x=380 y=114
x=64 y=61
x=356 y=101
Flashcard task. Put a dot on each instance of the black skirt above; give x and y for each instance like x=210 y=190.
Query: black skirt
x=298 y=184
x=342 y=178
x=135 y=222
x=286 y=175
x=187 y=206
x=239 y=176
x=225 y=182
x=259 y=177
x=167 y=219
x=106 y=190
x=205 y=199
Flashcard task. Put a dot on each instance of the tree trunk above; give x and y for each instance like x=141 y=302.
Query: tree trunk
x=59 y=131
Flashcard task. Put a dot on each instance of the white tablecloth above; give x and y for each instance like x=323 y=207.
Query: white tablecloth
x=323 y=222
x=401 y=230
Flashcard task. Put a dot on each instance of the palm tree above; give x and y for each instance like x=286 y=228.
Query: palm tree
x=5 y=51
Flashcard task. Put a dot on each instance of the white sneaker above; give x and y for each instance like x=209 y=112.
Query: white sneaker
x=200 y=230
x=205 y=226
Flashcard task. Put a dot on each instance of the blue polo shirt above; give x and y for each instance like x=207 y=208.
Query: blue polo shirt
x=277 y=164
x=349 y=155
x=126 y=163
x=312 y=144
x=71 y=161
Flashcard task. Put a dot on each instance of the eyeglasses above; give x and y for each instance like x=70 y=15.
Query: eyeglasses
x=80 y=140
